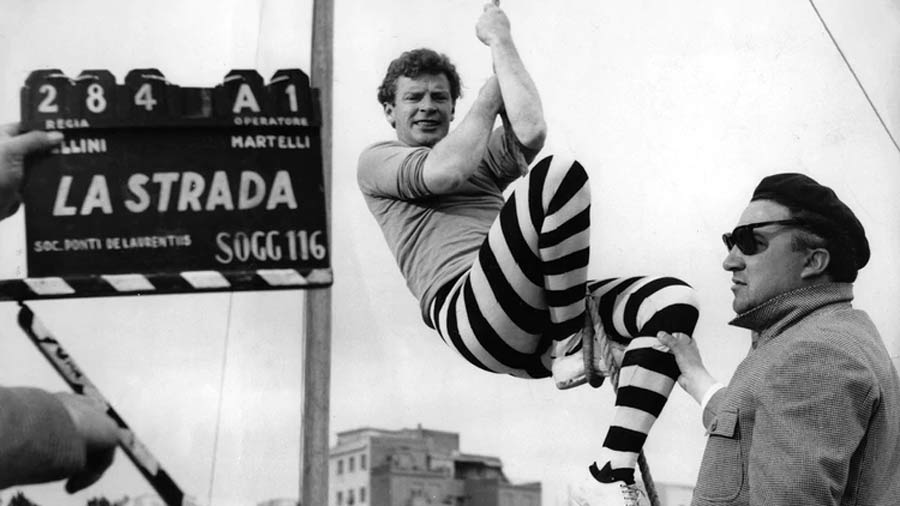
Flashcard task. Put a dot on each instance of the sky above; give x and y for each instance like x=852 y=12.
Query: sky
x=676 y=110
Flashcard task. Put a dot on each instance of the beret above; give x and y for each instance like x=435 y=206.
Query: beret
x=836 y=221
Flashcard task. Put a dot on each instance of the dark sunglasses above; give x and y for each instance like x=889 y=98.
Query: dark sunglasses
x=743 y=238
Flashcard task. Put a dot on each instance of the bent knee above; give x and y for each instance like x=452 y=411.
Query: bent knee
x=669 y=304
x=556 y=167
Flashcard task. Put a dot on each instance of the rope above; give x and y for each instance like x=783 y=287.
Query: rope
x=613 y=375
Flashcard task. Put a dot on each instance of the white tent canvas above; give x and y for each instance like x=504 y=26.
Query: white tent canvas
x=677 y=110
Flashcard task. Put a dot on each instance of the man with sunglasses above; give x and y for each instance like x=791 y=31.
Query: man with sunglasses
x=812 y=414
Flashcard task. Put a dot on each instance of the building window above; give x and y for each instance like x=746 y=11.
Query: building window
x=350 y=500
x=362 y=494
x=351 y=464
x=362 y=461
x=340 y=498
x=340 y=468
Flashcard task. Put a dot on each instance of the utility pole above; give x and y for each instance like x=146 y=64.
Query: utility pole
x=317 y=302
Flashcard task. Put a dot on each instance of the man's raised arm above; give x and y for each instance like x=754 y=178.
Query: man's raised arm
x=520 y=95
x=453 y=160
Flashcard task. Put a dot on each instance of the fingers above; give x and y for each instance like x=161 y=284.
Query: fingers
x=87 y=400
x=36 y=140
x=667 y=339
x=9 y=129
x=97 y=464
x=10 y=184
x=98 y=432
x=494 y=5
x=492 y=25
x=11 y=208
x=14 y=147
x=673 y=340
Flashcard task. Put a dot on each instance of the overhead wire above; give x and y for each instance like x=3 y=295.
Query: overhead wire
x=855 y=76
x=212 y=475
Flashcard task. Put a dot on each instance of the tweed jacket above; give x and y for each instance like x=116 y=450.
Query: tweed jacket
x=812 y=414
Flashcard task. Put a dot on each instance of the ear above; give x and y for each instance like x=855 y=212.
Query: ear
x=389 y=114
x=816 y=263
x=453 y=111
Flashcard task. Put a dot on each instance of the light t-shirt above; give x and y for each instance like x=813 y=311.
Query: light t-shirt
x=434 y=238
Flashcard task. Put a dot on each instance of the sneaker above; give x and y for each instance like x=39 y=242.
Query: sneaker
x=631 y=494
x=568 y=365
x=604 y=494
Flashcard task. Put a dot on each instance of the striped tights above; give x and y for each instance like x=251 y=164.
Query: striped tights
x=526 y=290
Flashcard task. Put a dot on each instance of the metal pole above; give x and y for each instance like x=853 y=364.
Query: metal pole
x=317 y=302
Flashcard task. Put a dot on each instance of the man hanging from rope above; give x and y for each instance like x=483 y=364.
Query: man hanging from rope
x=503 y=282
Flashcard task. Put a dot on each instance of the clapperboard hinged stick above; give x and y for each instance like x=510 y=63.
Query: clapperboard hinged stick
x=162 y=189
x=79 y=382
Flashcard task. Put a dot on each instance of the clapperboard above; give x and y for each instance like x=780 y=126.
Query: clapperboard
x=159 y=188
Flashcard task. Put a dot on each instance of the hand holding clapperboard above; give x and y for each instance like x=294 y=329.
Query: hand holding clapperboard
x=165 y=189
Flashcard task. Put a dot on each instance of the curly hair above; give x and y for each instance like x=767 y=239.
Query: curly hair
x=413 y=64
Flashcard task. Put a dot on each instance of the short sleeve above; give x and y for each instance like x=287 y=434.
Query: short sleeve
x=391 y=169
x=506 y=158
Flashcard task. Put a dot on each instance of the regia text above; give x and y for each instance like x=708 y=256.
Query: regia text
x=63 y=123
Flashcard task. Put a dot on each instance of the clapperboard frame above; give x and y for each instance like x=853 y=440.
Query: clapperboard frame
x=161 y=189
x=148 y=166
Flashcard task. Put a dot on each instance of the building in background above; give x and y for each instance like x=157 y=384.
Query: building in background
x=418 y=467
